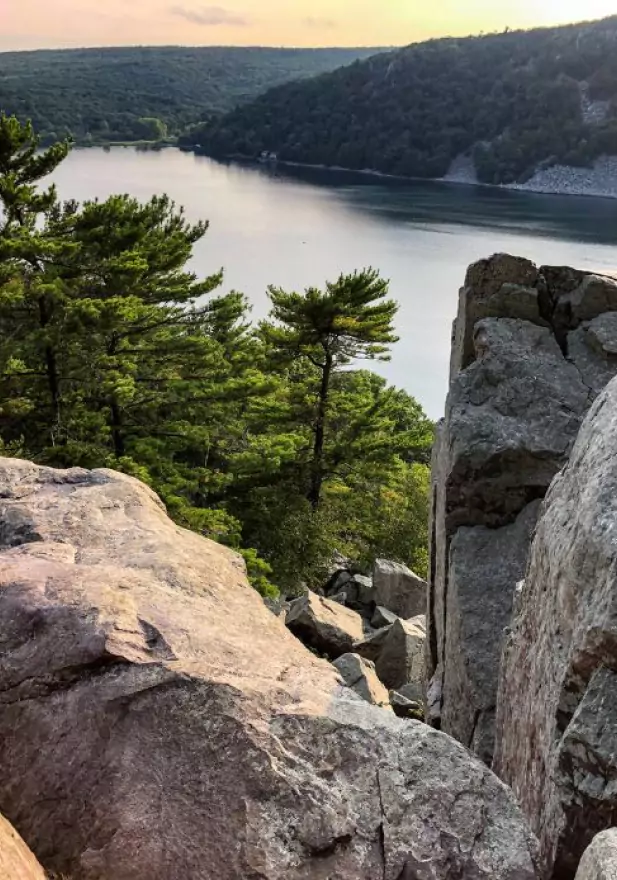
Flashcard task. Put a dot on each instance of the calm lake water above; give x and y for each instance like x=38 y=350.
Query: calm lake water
x=298 y=227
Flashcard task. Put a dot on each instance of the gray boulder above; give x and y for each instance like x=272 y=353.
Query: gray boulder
x=359 y=675
x=401 y=658
x=403 y=707
x=383 y=617
x=557 y=706
x=324 y=625
x=157 y=722
x=599 y=861
x=398 y=589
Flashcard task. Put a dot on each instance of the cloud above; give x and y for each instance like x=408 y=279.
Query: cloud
x=210 y=16
x=321 y=24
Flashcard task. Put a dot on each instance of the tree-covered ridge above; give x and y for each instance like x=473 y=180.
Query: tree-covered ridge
x=511 y=100
x=115 y=94
x=268 y=437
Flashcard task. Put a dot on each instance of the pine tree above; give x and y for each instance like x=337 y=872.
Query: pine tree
x=351 y=319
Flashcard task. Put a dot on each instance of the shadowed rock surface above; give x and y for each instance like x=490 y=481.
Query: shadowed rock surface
x=600 y=859
x=16 y=860
x=157 y=722
x=531 y=349
x=557 y=708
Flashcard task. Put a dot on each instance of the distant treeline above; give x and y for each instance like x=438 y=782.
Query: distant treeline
x=512 y=101
x=111 y=95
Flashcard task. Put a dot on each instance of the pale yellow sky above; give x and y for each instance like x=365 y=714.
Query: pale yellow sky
x=30 y=24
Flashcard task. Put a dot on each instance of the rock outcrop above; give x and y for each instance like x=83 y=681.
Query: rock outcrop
x=531 y=349
x=556 y=739
x=16 y=860
x=600 y=859
x=157 y=722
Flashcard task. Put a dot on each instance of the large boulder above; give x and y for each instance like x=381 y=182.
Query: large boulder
x=600 y=859
x=324 y=625
x=398 y=589
x=556 y=741
x=16 y=860
x=398 y=652
x=157 y=722
x=531 y=349
x=360 y=675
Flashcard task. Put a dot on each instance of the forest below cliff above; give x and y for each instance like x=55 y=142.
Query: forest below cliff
x=512 y=101
x=132 y=94
x=271 y=438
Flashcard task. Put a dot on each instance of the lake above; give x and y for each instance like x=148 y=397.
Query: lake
x=298 y=227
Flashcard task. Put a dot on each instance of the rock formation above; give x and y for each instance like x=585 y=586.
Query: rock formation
x=556 y=741
x=600 y=859
x=16 y=860
x=157 y=722
x=531 y=349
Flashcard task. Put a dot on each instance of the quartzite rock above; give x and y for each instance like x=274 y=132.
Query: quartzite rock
x=382 y=617
x=398 y=589
x=359 y=675
x=157 y=722
x=600 y=859
x=401 y=659
x=557 y=706
x=531 y=349
x=324 y=625
x=485 y=566
x=16 y=860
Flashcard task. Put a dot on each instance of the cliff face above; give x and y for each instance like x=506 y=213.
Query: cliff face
x=532 y=347
x=557 y=707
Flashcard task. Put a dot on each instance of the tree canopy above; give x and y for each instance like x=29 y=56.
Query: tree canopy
x=510 y=101
x=146 y=93
x=269 y=438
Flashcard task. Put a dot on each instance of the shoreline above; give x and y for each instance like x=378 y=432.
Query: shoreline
x=537 y=188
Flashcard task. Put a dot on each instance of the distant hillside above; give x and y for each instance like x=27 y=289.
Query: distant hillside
x=106 y=94
x=511 y=101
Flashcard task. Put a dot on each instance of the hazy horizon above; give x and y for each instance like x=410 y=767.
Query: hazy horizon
x=64 y=24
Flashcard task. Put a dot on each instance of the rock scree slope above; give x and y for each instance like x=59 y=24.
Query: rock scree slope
x=157 y=722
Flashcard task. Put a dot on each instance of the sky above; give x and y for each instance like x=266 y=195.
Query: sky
x=34 y=24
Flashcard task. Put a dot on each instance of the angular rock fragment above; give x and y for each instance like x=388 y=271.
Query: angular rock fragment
x=324 y=625
x=16 y=860
x=360 y=675
x=398 y=589
x=599 y=861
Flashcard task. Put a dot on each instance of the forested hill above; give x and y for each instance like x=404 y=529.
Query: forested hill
x=511 y=100
x=118 y=94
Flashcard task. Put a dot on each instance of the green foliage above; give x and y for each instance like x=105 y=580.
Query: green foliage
x=113 y=354
x=511 y=100
x=134 y=94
